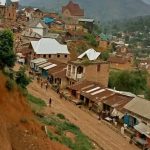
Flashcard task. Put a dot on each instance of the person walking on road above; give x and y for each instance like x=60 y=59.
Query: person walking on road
x=46 y=85
x=41 y=83
x=50 y=102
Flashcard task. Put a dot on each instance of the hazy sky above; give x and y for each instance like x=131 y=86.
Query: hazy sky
x=147 y=1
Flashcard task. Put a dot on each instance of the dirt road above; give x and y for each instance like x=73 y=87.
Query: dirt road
x=96 y=130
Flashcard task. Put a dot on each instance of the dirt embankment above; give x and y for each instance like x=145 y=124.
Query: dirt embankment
x=19 y=130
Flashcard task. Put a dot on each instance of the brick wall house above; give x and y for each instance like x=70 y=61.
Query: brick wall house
x=72 y=12
x=50 y=49
x=89 y=67
x=8 y=10
x=120 y=62
x=92 y=71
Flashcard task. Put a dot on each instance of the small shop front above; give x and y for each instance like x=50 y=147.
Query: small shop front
x=142 y=137
x=129 y=120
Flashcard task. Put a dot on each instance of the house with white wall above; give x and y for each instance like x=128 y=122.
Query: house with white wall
x=39 y=27
x=50 y=49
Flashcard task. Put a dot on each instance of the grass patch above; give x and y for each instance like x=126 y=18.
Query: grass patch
x=81 y=142
x=36 y=101
x=62 y=126
x=61 y=116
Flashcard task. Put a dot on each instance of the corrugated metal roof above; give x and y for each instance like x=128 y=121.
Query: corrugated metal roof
x=40 y=63
x=117 y=101
x=38 y=60
x=49 y=46
x=83 y=85
x=143 y=129
x=30 y=33
x=86 y=20
x=99 y=91
x=45 y=64
x=139 y=106
x=58 y=68
x=50 y=66
x=60 y=74
x=92 y=90
x=91 y=54
x=34 y=23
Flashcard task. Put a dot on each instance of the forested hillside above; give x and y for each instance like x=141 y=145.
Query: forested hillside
x=102 y=10
x=140 y=24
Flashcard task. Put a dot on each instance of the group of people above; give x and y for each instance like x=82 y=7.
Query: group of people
x=102 y=114
x=50 y=102
x=45 y=83
x=42 y=83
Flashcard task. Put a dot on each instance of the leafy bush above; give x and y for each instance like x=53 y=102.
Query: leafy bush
x=21 y=78
x=9 y=84
x=105 y=55
x=23 y=91
x=147 y=93
x=91 y=39
x=8 y=72
x=7 y=55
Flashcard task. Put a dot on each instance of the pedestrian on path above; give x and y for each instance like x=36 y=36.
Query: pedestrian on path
x=41 y=84
x=61 y=95
x=46 y=85
x=99 y=115
x=122 y=131
x=38 y=79
x=50 y=102
x=57 y=90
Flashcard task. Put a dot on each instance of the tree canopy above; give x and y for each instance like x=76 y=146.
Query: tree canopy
x=105 y=55
x=147 y=93
x=21 y=78
x=131 y=81
x=7 y=55
x=91 y=39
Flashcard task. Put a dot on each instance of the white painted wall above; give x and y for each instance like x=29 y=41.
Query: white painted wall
x=39 y=29
x=28 y=15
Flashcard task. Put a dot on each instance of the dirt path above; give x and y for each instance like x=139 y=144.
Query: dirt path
x=96 y=130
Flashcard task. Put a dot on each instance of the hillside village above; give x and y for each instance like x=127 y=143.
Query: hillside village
x=93 y=79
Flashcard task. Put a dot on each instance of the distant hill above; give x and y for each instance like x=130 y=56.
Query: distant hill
x=103 y=10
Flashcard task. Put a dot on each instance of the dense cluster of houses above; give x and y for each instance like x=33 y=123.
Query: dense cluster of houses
x=87 y=66
x=41 y=41
x=124 y=108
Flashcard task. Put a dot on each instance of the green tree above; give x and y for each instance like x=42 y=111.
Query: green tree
x=91 y=39
x=105 y=55
x=7 y=55
x=21 y=78
x=147 y=93
x=131 y=81
x=96 y=28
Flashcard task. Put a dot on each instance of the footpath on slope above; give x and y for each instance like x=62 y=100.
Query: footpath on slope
x=100 y=133
x=19 y=129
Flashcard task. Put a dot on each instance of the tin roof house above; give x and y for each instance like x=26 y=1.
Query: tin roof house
x=50 y=49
